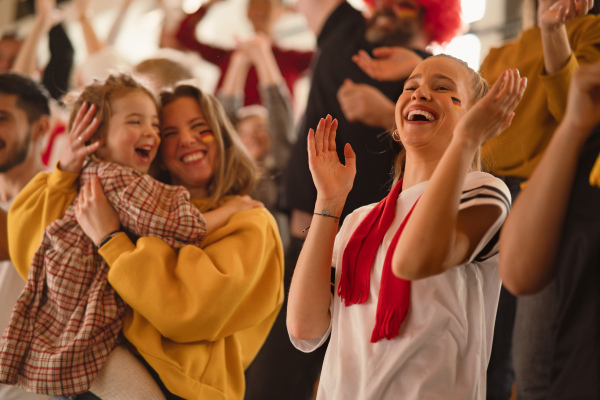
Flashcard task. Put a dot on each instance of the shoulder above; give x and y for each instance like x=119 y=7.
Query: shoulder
x=584 y=23
x=484 y=188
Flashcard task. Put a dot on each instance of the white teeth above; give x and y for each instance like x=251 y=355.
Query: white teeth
x=193 y=157
x=428 y=115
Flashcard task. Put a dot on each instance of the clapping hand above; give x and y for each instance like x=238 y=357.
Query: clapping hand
x=332 y=179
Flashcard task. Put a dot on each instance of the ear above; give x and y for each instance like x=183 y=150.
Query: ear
x=40 y=128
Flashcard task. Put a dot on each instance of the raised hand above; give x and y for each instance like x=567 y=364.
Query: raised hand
x=563 y=11
x=494 y=113
x=390 y=64
x=94 y=213
x=332 y=179
x=364 y=103
x=583 y=103
x=76 y=148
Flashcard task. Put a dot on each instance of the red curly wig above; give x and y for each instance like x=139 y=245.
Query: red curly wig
x=442 y=18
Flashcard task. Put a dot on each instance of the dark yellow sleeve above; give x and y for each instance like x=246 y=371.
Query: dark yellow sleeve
x=44 y=199
x=234 y=282
x=584 y=37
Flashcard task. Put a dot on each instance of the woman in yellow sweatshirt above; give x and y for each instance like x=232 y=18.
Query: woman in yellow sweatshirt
x=197 y=316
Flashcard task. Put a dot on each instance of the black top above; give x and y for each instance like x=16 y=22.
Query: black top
x=575 y=370
x=343 y=34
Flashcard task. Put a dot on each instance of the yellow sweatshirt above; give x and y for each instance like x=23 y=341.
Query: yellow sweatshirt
x=519 y=149
x=199 y=316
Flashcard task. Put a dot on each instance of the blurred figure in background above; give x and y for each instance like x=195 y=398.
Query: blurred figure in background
x=262 y=14
x=558 y=37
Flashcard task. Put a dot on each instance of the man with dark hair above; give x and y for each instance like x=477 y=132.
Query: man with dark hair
x=24 y=121
x=364 y=108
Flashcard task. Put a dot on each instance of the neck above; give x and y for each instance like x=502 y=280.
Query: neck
x=419 y=168
x=14 y=180
x=418 y=43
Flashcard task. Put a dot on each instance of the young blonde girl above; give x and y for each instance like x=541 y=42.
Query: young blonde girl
x=68 y=318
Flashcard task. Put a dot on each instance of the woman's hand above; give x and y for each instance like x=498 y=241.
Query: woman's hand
x=332 y=179
x=494 y=113
x=76 y=150
x=390 y=64
x=94 y=213
x=562 y=11
x=583 y=102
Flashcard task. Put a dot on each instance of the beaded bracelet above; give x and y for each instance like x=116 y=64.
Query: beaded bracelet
x=324 y=213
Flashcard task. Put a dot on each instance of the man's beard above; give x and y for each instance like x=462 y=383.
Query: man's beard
x=18 y=155
x=400 y=33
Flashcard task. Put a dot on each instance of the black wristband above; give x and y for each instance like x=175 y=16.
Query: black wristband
x=108 y=237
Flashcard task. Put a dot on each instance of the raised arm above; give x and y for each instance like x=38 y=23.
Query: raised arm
x=274 y=95
x=92 y=42
x=555 y=42
x=231 y=93
x=444 y=236
x=308 y=315
x=566 y=44
x=26 y=60
x=316 y=12
x=533 y=228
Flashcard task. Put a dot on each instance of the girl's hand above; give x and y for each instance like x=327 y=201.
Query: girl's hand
x=390 y=64
x=75 y=150
x=494 y=113
x=562 y=11
x=94 y=213
x=332 y=179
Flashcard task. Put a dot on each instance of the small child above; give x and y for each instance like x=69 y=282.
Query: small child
x=68 y=318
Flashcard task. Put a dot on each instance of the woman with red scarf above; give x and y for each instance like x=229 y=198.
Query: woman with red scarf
x=416 y=280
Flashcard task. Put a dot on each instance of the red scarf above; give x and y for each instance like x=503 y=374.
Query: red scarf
x=357 y=261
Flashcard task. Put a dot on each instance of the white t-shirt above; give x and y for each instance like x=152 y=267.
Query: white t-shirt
x=11 y=285
x=443 y=346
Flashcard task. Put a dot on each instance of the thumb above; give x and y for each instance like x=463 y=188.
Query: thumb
x=348 y=83
x=350 y=156
x=382 y=52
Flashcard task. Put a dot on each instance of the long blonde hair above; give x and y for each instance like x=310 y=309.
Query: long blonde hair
x=480 y=88
x=236 y=172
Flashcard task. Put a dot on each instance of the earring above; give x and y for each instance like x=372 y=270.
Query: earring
x=396 y=136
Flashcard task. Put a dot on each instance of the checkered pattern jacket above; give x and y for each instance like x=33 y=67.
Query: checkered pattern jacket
x=68 y=318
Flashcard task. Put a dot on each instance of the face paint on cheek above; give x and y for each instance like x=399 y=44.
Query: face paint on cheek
x=207 y=137
x=456 y=103
x=406 y=12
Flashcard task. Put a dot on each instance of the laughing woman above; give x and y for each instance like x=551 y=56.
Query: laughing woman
x=416 y=274
x=197 y=316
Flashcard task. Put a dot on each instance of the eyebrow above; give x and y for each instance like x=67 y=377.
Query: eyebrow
x=436 y=76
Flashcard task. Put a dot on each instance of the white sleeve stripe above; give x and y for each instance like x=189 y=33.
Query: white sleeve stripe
x=487 y=188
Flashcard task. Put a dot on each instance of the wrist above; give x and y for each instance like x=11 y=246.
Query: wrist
x=334 y=207
x=106 y=238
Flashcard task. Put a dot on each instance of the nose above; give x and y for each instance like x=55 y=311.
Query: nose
x=421 y=93
x=150 y=130
x=187 y=138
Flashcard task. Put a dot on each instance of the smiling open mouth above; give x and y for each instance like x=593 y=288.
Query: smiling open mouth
x=193 y=157
x=144 y=152
x=420 y=115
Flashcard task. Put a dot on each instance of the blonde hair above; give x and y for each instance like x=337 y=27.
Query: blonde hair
x=236 y=172
x=480 y=87
x=102 y=94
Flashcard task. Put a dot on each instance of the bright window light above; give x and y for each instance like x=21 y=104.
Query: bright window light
x=473 y=10
x=466 y=47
